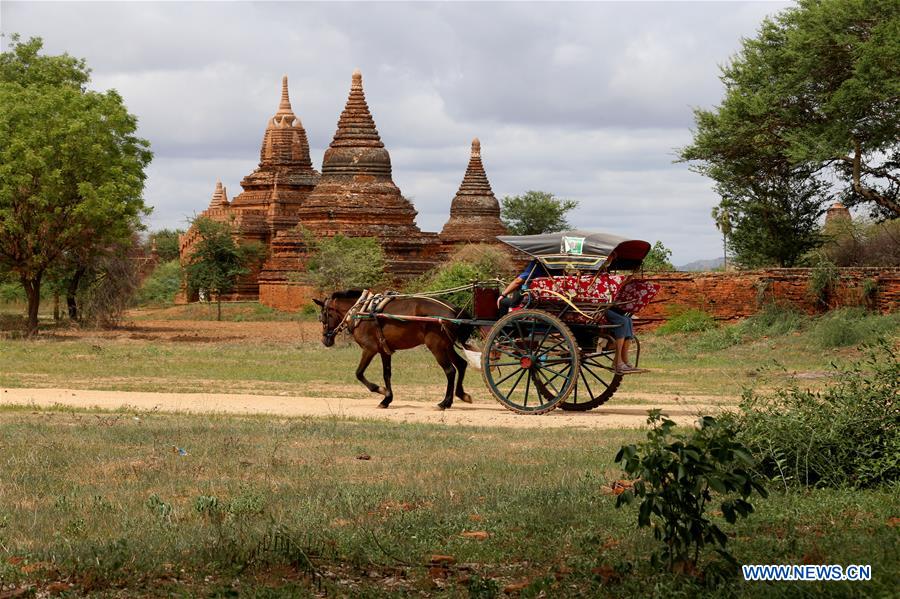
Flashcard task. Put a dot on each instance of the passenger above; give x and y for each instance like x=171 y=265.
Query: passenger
x=622 y=334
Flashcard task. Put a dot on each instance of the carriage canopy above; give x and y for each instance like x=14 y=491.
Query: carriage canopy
x=581 y=250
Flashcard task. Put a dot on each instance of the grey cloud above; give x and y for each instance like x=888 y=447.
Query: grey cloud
x=586 y=100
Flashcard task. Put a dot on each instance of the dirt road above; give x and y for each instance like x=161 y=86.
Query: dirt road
x=484 y=413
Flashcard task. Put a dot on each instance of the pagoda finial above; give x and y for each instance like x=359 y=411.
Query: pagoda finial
x=285 y=98
x=285 y=116
x=357 y=79
x=476 y=148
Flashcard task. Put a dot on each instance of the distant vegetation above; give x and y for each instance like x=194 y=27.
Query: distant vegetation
x=339 y=262
x=469 y=264
x=535 y=212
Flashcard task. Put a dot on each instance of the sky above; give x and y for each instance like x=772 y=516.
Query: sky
x=589 y=101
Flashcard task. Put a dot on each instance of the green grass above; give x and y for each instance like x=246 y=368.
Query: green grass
x=102 y=501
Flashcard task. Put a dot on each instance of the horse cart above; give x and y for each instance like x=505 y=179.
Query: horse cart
x=556 y=348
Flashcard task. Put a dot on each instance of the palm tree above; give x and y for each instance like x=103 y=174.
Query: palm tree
x=721 y=214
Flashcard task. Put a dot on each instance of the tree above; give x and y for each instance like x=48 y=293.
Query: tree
x=535 y=212
x=775 y=222
x=721 y=215
x=217 y=261
x=339 y=262
x=166 y=243
x=658 y=259
x=815 y=94
x=71 y=166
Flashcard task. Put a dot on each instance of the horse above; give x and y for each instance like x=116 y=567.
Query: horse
x=385 y=335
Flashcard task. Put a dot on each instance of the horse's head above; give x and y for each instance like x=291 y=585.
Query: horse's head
x=330 y=318
x=332 y=312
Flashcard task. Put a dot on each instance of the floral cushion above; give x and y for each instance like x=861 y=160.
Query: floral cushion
x=636 y=295
x=584 y=289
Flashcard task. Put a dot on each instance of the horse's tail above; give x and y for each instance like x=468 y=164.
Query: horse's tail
x=464 y=330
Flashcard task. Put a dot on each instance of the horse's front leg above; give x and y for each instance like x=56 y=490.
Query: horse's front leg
x=388 y=392
x=364 y=362
x=438 y=348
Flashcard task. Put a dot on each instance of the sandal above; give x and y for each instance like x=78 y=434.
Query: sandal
x=628 y=369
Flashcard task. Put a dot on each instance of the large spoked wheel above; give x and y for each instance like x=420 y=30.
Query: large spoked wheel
x=530 y=361
x=597 y=378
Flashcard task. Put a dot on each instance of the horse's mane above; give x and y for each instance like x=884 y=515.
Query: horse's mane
x=348 y=294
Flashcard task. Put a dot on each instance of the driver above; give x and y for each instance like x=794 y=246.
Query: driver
x=512 y=295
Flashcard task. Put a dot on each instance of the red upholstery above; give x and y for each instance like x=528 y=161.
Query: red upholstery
x=586 y=289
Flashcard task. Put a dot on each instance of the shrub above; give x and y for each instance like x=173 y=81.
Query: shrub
x=772 y=321
x=687 y=321
x=160 y=287
x=470 y=263
x=822 y=281
x=338 y=263
x=852 y=326
x=658 y=259
x=677 y=476
x=846 y=435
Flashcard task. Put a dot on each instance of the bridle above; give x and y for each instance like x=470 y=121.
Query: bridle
x=345 y=321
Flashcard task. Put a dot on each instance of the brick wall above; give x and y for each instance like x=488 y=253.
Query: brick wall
x=733 y=295
x=727 y=296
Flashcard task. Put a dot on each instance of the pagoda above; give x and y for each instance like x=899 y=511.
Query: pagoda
x=356 y=195
x=474 y=212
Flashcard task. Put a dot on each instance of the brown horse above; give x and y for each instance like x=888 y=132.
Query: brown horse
x=384 y=335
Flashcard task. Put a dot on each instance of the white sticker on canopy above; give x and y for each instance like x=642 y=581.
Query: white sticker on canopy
x=572 y=245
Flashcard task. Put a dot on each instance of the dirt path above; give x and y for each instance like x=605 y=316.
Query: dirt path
x=479 y=414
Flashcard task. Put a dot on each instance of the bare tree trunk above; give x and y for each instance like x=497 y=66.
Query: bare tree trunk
x=219 y=306
x=72 y=292
x=33 y=292
x=56 y=314
x=725 y=253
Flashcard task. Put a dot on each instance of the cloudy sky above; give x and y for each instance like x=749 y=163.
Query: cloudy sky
x=587 y=100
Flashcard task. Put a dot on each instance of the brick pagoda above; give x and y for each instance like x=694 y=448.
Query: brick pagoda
x=474 y=212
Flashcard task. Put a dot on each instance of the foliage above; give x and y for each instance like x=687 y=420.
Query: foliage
x=109 y=286
x=217 y=261
x=71 y=166
x=677 y=475
x=721 y=215
x=852 y=326
x=535 y=212
x=658 y=259
x=166 y=242
x=774 y=222
x=686 y=321
x=815 y=95
x=338 y=263
x=861 y=243
x=160 y=287
x=470 y=263
x=847 y=434
x=822 y=282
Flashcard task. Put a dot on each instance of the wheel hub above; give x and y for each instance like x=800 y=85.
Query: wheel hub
x=525 y=362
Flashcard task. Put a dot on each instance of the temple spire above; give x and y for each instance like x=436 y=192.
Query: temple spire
x=474 y=212
x=285 y=116
x=220 y=197
x=356 y=127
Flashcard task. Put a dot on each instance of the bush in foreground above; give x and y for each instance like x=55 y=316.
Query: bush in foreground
x=160 y=287
x=687 y=321
x=845 y=435
x=471 y=263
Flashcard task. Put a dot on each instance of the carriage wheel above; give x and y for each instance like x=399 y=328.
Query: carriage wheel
x=597 y=378
x=530 y=361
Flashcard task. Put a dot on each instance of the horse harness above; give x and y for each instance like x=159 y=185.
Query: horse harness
x=370 y=306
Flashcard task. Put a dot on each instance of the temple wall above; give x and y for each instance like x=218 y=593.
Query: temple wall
x=726 y=296
x=734 y=295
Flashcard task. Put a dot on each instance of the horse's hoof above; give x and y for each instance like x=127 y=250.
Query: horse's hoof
x=381 y=390
x=383 y=406
x=442 y=406
x=466 y=398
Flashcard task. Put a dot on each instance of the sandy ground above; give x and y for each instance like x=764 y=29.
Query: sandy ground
x=483 y=413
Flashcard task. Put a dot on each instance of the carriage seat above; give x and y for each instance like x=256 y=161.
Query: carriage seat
x=588 y=292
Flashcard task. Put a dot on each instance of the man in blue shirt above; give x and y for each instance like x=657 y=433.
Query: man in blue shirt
x=512 y=295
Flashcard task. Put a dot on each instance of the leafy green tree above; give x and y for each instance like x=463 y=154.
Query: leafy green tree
x=71 y=166
x=535 y=212
x=166 y=243
x=217 y=261
x=339 y=262
x=659 y=258
x=816 y=94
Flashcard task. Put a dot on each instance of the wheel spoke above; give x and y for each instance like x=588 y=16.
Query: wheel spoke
x=506 y=378
x=593 y=374
x=587 y=386
x=516 y=384
x=556 y=375
x=547 y=383
x=527 y=388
